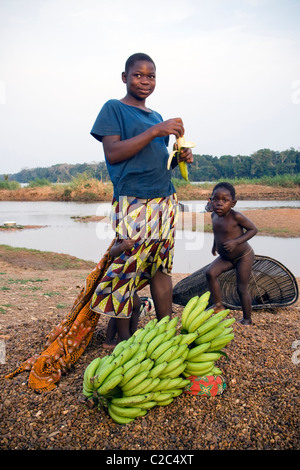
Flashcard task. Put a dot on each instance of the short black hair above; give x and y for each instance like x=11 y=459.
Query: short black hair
x=228 y=186
x=135 y=58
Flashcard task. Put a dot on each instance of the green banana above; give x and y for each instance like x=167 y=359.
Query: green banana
x=175 y=392
x=216 y=371
x=87 y=393
x=136 y=380
x=101 y=375
x=117 y=371
x=130 y=373
x=128 y=412
x=187 y=309
x=227 y=331
x=167 y=354
x=119 y=419
x=162 y=396
x=172 y=323
x=161 y=384
x=211 y=322
x=119 y=348
x=151 y=333
x=129 y=364
x=198 y=366
x=151 y=324
x=174 y=382
x=228 y=322
x=157 y=370
x=166 y=402
x=206 y=356
x=197 y=350
x=204 y=297
x=141 y=335
x=175 y=372
x=161 y=328
x=188 y=338
x=90 y=370
x=197 y=372
x=147 y=364
x=164 y=319
x=109 y=385
x=220 y=342
x=210 y=335
x=170 y=333
x=139 y=356
x=173 y=364
x=183 y=383
x=200 y=319
x=157 y=341
x=164 y=346
x=139 y=388
x=182 y=351
x=149 y=387
x=195 y=313
x=132 y=400
x=147 y=405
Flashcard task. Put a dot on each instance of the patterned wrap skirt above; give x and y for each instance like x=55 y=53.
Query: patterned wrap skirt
x=151 y=223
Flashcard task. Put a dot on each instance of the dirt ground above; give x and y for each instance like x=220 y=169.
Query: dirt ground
x=258 y=410
x=103 y=192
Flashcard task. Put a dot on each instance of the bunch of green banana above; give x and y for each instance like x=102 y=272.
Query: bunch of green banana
x=142 y=372
x=212 y=332
x=180 y=144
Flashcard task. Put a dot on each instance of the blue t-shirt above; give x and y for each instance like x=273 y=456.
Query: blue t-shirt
x=145 y=175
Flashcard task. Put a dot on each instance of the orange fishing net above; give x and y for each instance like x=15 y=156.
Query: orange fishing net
x=67 y=341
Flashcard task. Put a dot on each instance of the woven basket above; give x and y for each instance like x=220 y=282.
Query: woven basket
x=271 y=285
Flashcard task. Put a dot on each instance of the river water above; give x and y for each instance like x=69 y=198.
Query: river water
x=88 y=241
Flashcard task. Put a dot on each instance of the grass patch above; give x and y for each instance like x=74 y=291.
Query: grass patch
x=25 y=281
x=60 y=306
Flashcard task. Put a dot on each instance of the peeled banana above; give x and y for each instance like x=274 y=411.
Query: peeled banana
x=180 y=144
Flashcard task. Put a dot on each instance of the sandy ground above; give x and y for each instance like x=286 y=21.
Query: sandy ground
x=257 y=411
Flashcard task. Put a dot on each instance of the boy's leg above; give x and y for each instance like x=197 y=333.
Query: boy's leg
x=243 y=272
x=216 y=268
x=162 y=294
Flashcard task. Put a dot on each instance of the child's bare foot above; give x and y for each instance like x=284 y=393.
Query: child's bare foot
x=218 y=307
x=245 y=321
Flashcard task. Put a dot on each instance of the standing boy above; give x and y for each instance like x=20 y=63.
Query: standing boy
x=232 y=230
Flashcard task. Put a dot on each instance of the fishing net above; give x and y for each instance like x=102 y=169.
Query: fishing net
x=271 y=285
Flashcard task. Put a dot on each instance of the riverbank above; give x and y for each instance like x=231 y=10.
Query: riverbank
x=96 y=191
x=257 y=410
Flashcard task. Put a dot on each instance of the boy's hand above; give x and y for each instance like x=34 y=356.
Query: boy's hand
x=230 y=245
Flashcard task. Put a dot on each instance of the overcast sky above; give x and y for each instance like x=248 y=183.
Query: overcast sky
x=229 y=68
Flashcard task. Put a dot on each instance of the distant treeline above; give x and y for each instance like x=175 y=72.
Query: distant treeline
x=263 y=163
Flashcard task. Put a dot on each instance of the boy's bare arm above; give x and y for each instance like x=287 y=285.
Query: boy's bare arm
x=250 y=230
